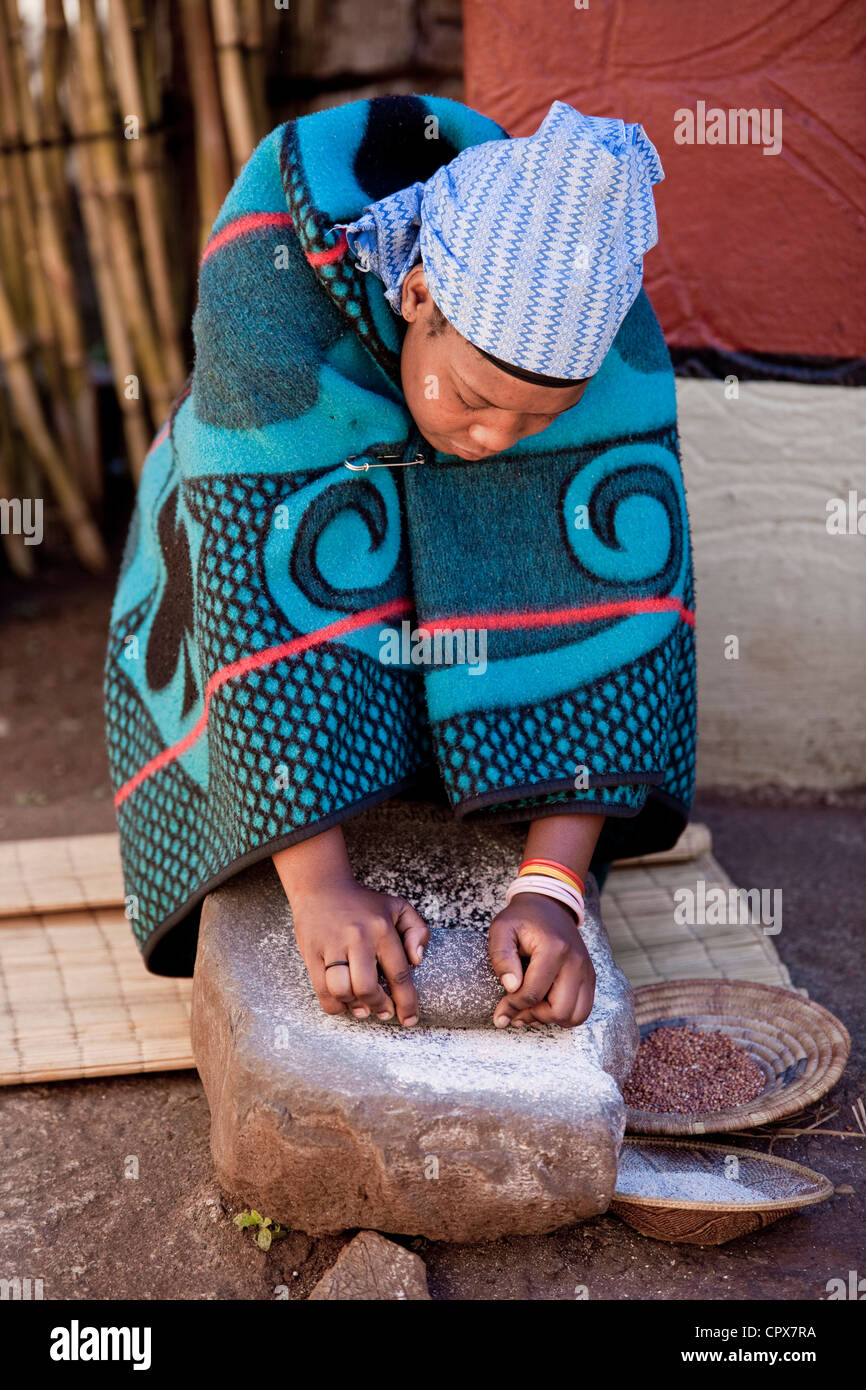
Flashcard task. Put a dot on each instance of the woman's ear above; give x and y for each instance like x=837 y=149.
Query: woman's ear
x=414 y=292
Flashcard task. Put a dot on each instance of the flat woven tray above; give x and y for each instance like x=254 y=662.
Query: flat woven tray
x=762 y=1189
x=800 y=1047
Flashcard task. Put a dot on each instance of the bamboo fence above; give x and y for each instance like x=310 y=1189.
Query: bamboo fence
x=104 y=107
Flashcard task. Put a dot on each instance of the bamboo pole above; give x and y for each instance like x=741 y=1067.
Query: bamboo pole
x=136 y=427
x=81 y=436
x=23 y=269
x=147 y=19
x=146 y=191
x=19 y=555
x=54 y=48
x=110 y=178
x=233 y=80
x=307 y=19
x=21 y=266
x=254 y=42
x=212 y=156
x=14 y=204
x=159 y=49
x=10 y=235
x=25 y=400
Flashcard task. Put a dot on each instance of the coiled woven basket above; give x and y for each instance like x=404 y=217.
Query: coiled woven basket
x=800 y=1046
x=769 y=1188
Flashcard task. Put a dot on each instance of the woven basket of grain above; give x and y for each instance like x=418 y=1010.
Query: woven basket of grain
x=704 y=1194
x=800 y=1046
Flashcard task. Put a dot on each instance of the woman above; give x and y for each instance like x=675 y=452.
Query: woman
x=429 y=399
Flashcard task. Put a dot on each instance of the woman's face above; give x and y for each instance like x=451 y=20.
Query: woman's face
x=461 y=403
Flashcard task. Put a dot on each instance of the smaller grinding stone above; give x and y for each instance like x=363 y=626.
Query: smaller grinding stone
x=456 y=984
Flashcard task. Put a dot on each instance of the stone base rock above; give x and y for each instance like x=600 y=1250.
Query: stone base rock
x=373 y=1268
x=453 y=1129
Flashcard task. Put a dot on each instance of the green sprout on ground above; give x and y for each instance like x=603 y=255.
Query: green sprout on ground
x=267 y=1231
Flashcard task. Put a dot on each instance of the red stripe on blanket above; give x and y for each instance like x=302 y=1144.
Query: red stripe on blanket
x=334 y=253
x=550 y=617
x=251 y=222
x=163 y=434
x=252 y=663
x=256 y=221
x=545 y=618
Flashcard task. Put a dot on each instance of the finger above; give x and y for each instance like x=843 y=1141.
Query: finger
x=369 y=994
x=546 y=1014
x=329 y=1004
x=338 y=980
x=316 y=972
x=541 y=971
x=523 y=1019
x=568 y=1002
x=585 y=1000
x=563 y=994
x=502 y=946
x=414 y=931
x=398 y=973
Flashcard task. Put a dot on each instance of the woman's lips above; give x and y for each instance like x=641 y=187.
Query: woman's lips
x=450 y=446
x=472 y=457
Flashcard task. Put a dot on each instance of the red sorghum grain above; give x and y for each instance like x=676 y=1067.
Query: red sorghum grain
x=684 y=1071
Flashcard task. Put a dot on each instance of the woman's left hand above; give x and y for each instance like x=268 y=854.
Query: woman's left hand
x=557 y=985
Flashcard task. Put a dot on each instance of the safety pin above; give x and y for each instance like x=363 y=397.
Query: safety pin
x=362 y=467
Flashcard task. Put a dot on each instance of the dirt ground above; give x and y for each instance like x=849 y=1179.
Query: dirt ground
x=70 y=1215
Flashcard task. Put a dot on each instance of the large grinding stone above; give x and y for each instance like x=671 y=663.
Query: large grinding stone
x=453 y=1129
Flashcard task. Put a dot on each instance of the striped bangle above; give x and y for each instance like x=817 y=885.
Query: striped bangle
x=570 y=879
x=552 y=866
x=550 y=888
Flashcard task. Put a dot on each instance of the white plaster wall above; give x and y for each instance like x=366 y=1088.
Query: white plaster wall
x=759 y=472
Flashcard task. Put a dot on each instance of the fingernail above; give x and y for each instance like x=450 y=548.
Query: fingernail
x=501 y=1021
x=410 y=1021
x=509 y=982
x=384 y=1017
x=518 y=1023
x=419 y=955
x=360 y=1013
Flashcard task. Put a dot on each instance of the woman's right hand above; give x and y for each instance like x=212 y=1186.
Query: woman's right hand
x=348 y=922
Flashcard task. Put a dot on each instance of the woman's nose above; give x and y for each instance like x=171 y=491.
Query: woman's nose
x=496 y=438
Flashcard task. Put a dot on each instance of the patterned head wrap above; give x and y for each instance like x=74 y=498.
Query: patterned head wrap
x=532 y=247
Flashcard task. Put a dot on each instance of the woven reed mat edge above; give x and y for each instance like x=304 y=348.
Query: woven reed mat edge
x=75 y=871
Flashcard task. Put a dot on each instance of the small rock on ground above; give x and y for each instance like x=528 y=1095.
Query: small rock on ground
x=371 y=1268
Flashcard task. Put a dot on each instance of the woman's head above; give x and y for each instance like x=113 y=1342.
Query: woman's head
x=532 y=248
x=461 y=401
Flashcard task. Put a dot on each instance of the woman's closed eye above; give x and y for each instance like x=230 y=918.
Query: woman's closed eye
x=546 y=419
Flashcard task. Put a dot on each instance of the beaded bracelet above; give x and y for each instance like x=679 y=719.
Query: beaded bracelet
x=551 y=888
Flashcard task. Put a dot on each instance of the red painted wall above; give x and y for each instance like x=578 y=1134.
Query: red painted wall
x=761 y=253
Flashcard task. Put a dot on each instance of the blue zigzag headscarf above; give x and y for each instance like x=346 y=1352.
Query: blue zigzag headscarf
x=532 y=247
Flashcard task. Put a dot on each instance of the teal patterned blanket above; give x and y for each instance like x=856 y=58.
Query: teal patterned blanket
x=260 y=682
